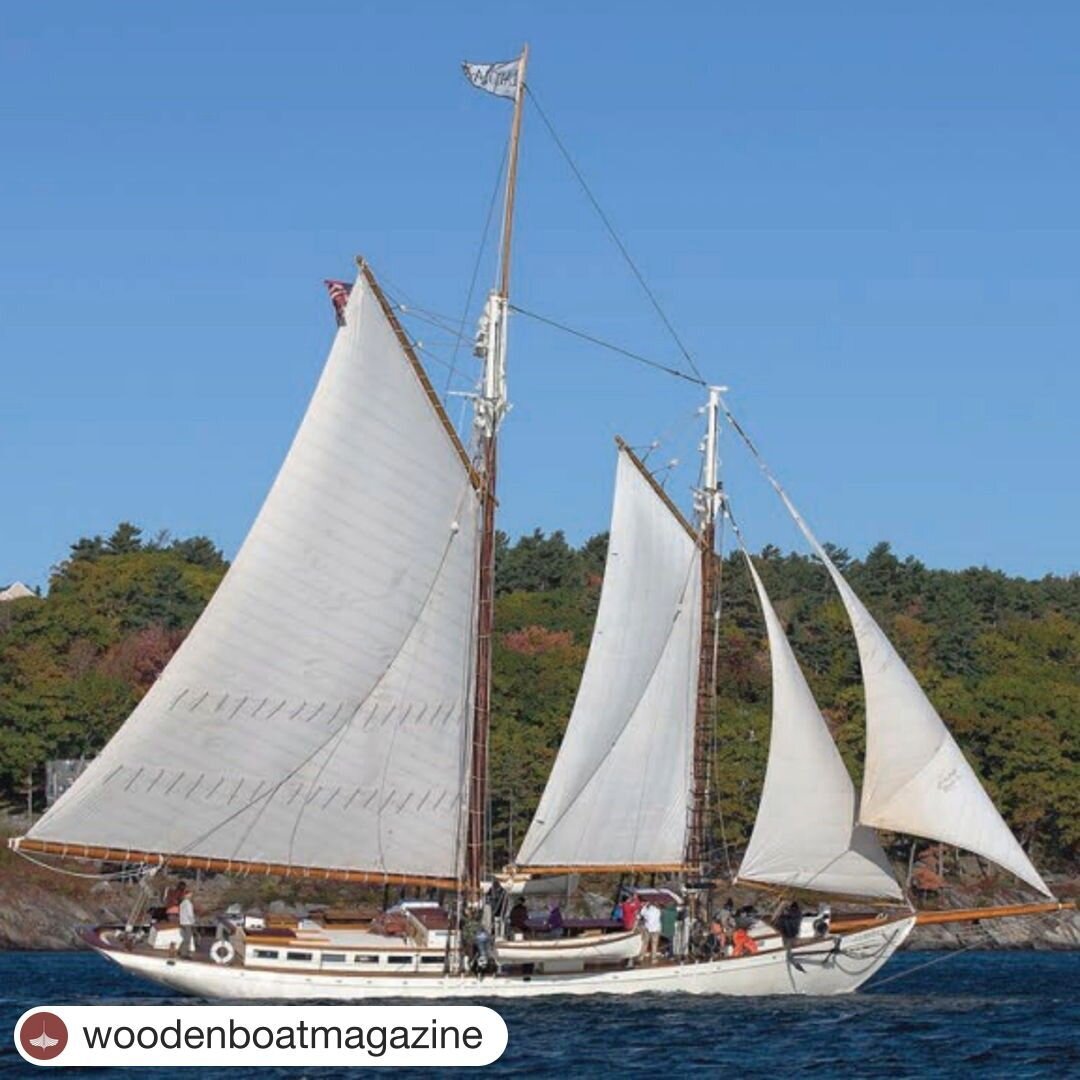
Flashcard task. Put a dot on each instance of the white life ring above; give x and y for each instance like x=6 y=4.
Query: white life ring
x=222 y=952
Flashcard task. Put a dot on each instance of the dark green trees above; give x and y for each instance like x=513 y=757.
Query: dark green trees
x=999 y=657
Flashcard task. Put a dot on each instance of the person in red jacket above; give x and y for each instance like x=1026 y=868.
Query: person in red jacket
x=630 y=908
x=742 y=944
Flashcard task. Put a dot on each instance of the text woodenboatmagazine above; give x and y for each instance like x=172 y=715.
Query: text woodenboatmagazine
x=200 y=1036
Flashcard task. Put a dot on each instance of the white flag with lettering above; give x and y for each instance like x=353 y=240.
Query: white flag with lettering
x=500 y=78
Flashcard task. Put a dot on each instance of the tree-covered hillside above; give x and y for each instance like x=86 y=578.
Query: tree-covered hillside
x=999 y=656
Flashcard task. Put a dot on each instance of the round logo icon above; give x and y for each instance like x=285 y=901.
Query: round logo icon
x=43 y=1036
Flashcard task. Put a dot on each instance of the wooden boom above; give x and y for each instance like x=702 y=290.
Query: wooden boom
x=224 y=866
x=1008 y=911
x=848 y=923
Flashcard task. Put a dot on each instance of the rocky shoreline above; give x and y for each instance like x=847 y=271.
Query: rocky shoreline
x=40 y=910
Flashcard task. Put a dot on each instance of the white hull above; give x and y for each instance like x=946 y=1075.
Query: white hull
x=818 y=968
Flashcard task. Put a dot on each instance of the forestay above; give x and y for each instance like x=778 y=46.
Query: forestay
x=806 y=835
x=617 y=795
x=916 y=778
x=317 y=714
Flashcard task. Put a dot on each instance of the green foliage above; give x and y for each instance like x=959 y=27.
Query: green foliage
x=999 y=657
x=72 y=666
x=538 y=563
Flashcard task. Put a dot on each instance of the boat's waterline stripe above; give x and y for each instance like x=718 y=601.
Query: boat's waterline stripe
x=226 y=866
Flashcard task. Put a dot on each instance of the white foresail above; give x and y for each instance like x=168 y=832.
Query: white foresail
x=618 y=793
x=916 y=778
x=806 y=835
x=317 y=714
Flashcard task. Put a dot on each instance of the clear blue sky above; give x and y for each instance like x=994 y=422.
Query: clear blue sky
x=863 y=217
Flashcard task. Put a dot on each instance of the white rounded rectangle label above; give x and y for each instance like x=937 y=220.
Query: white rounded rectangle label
x=253 y=1035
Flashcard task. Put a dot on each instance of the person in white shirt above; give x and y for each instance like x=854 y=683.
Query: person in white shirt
x=650 y=920
x=187 y=923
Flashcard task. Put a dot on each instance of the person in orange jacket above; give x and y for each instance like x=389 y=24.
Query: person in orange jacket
x=742 y=944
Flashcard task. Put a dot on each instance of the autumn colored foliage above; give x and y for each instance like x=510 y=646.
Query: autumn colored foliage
x=999 y=657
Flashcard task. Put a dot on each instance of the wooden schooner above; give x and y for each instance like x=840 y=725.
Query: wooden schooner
x=328 y=718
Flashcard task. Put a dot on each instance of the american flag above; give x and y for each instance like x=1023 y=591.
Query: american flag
x=339 y=297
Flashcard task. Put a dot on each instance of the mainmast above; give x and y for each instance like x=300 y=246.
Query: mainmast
x=491 y=407
x=708 y=508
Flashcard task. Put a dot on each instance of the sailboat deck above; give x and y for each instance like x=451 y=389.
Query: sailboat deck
x=358 y=953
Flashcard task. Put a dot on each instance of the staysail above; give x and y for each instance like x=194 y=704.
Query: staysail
x=806 y=835
x=316 y=717
x=916 y=778
x=618 y=793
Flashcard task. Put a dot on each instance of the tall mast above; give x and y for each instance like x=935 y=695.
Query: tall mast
x=709 y=506
x=490 y=409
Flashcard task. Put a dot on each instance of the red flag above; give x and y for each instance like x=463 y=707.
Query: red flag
x=339 y=297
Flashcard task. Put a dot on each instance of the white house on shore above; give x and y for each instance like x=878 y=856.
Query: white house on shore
x=15 y=591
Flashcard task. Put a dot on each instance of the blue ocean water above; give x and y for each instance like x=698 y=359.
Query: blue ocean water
x=992 y=1014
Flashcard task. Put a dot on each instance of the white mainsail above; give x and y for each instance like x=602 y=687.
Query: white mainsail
x=916 y=778
x=618 y=792
x=806 y=834
x=318 y=713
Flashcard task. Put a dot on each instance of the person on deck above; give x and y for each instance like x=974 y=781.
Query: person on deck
x=717 y=940
x=669 y=920
x=727 y=917
x=554 y=921
x=171 y=900
x=631 y=906
x=187 y=922
x=742 y=944
x=789 y=922
x=519 y=916
x=745 y=917
x=651 y=922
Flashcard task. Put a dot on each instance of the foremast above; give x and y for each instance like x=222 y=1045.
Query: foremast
x=491 y=407
x=709 y=497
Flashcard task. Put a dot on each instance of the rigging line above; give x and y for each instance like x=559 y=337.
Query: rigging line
x=267 y=797
x=410 y=311
x=420 y=347
x=674 y=437
x=714 y=741
x=929 y=963
x=631 y=713
x=461 y=376
x=114 y=875
x=815 y=545
x=476 y=263
x=735 y=527
x=615 y=236
x=947 y=956
x=404 y=299
x=410 y=308
x=593 y=340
